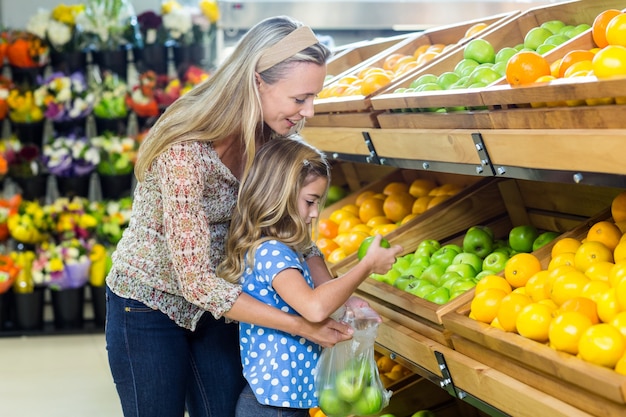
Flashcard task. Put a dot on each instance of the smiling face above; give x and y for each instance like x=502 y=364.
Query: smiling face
x=290 y=99
x=309 y=198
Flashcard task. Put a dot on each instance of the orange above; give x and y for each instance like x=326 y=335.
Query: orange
x=353 y=241
x=620 y=366
x=616 y=30
x=494 y=282
x=568 y=285
x=594 y=290
x=347 y=224
x=406 y=67
x=572 y=57
x=582 y=305
x=396 y=187
x=520 y=267
x=474 y=29
x=436 y=47
x=420 y=205
x=377 y=221
x=339 y=215
x=599 y=271
x=533 y=321
x=396 y=206
x=598 y=28
x=336 y=255
x=436 y=201
x=374 y=82
x=618 y=207
x=427 y=56
x=617 y=273
x=421 y=187
x=326 y=246
x=607 y=305
x=525 y=67
x=510 y=306
x=620 y=294
x=363 y=196
x=567 y=244
x=579 y=69
x=391 y=60
x=602 y=344
x=536 y=286
x=566 y=330
x=610 y=62
x=449 y=189
x=327 y=228
x=485 y=304
x=383 y=229
x=565 y=258
x=371 y=207
x=352 y=208
x=605 y=232
x=361 y=228
x=420 y=50
x=554 y=67
x=590 y=252
x=619 y=322
x=408 y=218
x=619 y=253
x=401 y=62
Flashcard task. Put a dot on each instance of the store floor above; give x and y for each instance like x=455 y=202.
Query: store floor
x=56 y=376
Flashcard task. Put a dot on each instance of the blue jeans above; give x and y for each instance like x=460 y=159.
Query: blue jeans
x=160 y=368
x=248 y=406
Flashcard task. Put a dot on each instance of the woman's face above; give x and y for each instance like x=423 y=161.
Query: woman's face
x=290 y=99
x=309 y=199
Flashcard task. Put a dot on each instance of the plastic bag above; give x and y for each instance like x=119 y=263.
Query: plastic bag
x=347 y=379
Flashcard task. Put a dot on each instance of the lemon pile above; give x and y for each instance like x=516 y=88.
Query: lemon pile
x=577 y=304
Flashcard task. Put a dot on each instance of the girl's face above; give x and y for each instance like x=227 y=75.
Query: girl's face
x=290 y=99
x=309 y=199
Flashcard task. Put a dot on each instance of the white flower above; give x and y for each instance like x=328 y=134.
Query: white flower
x=38 y=23
x=178 y=22
x=58 y=33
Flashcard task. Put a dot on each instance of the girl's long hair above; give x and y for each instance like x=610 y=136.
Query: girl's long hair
x=267 y=207
x=228 y=102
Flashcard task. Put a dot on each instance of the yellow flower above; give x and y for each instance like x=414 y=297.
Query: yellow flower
x=56 y=264
x=67 y=13
x=210 y=9
x=170 y=5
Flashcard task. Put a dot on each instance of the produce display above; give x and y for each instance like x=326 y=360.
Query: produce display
x=577 y=304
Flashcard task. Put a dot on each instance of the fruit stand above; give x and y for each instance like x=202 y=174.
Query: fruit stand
x=523 y=155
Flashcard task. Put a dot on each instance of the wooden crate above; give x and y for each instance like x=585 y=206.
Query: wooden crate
x=508 y=34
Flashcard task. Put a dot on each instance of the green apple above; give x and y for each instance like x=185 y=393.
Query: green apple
x=500 y=68
x=367 y=242
x=565 y=30
x=415 y=284
x=577 y=30
x=369 y=402
x=521 y=238
x=449 y=278
x=423 y=79
x=422 y=290
x=428 y=87
x=444 y=256
x=495 y=261
x=504 y=54
x=433 y=273
x=535 y=37
x=484 y=273
x=465 y=66
x=423 y=413
x=335 y=193
x=349 y=384
x=387 y=415
x=478 y=240
x=465 y=270
x=463 y=284
x=403 y=281
x=331 y=404
x=553 y=26
x=439 y=296
x=421 y=260
x=480 y=50
x=556 y=40
x=543 y=239
x=484 y=75
x=471 y=259
x=401 y=265
x=427 y=247
x=415 y=270
x=544 y=48
x=446 y=79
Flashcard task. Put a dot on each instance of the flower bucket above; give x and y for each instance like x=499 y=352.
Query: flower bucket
x=29 y=309
x=115 y=187
x=68 y=308
x=115 y=61
x=29 y=132
x=77 y=127
x=188 y=55
x=98 y=300
x=117 y=126
x=152 y=57
x=26 y=75
x=74 y=186
x=33 y=188
x=68 y=62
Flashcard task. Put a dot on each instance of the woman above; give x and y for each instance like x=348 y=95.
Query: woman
x=169 y=337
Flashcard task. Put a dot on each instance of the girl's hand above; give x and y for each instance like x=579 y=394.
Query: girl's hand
x=326 y=333
x=381 y=259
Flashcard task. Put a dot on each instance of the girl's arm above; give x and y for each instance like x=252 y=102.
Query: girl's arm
x=317 y=304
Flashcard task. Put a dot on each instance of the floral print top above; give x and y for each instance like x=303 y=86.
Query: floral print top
x=177 y=234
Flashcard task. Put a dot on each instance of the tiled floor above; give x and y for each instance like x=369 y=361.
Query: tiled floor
x=56 y=376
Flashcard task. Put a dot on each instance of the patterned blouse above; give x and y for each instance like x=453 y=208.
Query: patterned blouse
x=176 y=237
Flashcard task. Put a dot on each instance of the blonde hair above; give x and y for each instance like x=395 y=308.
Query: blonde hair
x=228 y=102
x=267 y=207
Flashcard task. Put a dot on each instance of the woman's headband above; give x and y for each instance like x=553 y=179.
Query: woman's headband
x=296 y=41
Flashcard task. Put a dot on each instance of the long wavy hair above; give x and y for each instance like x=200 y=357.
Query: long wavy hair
x=228 y=102
x=267 y=207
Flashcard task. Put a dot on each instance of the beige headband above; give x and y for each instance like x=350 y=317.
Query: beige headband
x=288 y=46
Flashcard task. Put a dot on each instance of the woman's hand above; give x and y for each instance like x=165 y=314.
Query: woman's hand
x=356 y=303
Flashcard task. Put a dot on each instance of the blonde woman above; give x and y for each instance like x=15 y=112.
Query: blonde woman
x=170 y=340
x=269 y=235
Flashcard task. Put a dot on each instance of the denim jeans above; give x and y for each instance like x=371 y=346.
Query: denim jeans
x=159 y=368
x=248 y=406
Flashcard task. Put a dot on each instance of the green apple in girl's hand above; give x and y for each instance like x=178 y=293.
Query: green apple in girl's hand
x=366 y=244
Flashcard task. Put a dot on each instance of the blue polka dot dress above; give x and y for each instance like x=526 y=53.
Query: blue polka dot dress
x=279 y=367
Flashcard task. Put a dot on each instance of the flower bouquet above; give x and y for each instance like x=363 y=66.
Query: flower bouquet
x=62 y=266
x=25 y=167
x=153 y=56
x=110 y=110
x=25 y=106
x=29 y=225
x=8 y=272
x=71 y=218
x=117 y=154
x=28 y=55
x=8 y=207
x=5 y=87
x=114 y=216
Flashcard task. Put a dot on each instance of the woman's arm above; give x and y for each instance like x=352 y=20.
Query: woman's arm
x=325 y=333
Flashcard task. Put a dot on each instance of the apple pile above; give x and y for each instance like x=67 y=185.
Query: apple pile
x=356 y=391
x=439 y=273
